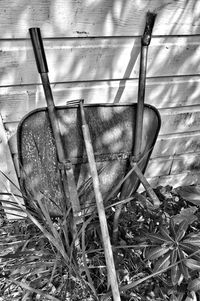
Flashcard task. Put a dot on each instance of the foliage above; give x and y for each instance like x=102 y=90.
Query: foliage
x=157 y=256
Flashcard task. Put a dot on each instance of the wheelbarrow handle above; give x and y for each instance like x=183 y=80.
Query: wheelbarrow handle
x=38 y=49
x=150 y=19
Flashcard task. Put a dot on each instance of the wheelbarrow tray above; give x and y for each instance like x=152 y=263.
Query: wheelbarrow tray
x=112 y=128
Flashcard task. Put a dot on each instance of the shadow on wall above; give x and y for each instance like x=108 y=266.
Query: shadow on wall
x=112 y=56
x=76 y=61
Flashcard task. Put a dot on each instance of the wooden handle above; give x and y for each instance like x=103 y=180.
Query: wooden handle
x=38 y=49
x=150 y=19
x=145 y=41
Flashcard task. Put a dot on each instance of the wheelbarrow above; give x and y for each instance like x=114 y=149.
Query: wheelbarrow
x=118 y=132
x=60 y=148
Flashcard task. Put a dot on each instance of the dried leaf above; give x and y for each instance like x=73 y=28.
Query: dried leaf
x=192 y=264
x=154 y=253
x=162 y=263
x=194 y=285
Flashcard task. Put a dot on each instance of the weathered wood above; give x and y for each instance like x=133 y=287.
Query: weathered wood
x=15 y=106
x=175 y=120
x=100 y=18
x=164 y=92
x=7 y=167
x=185 y=178
x=98 y=59
x=186 y=162
x=173 y=165
x=174 y=144
x=179 y=120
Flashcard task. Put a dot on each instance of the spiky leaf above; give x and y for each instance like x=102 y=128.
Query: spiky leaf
x=194 y=285
x=162 y=263
x=154 y=253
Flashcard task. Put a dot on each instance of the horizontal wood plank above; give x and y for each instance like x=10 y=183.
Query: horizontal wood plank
x=181 y=120
x=175 y=144
x=97 y=18
x=185 y=178
x=16 y=101
x=176 y=136
x=98 y=59
x=186 y=162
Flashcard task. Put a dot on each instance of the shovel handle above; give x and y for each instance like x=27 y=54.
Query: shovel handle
x=38 y=49
x=150 y=19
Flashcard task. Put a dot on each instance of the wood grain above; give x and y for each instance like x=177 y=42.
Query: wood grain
x=93 y=59
x=181 y=179
x=60 y=18
x=165 y=92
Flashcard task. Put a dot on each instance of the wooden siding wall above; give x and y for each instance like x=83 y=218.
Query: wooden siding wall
x=92 y=48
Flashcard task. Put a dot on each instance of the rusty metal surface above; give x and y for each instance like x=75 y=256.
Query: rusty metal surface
x=112 y=129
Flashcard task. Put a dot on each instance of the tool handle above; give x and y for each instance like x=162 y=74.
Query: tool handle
x=38 y=49
x=150 y=19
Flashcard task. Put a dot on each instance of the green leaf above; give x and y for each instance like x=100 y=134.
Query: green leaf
x=172 y=227
x=173 y=298
x=191 y=296
x=189 y=249
x=175 y=274
x=183 y=268
x=190 y=194
x=173 y=256
x=192 y=264
x=154 y=253
x=162 y=263
x=156 y=238
x=194 y=285
x=193 y=239
x=186 y=214
x=181 y=230
x=165 y=234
